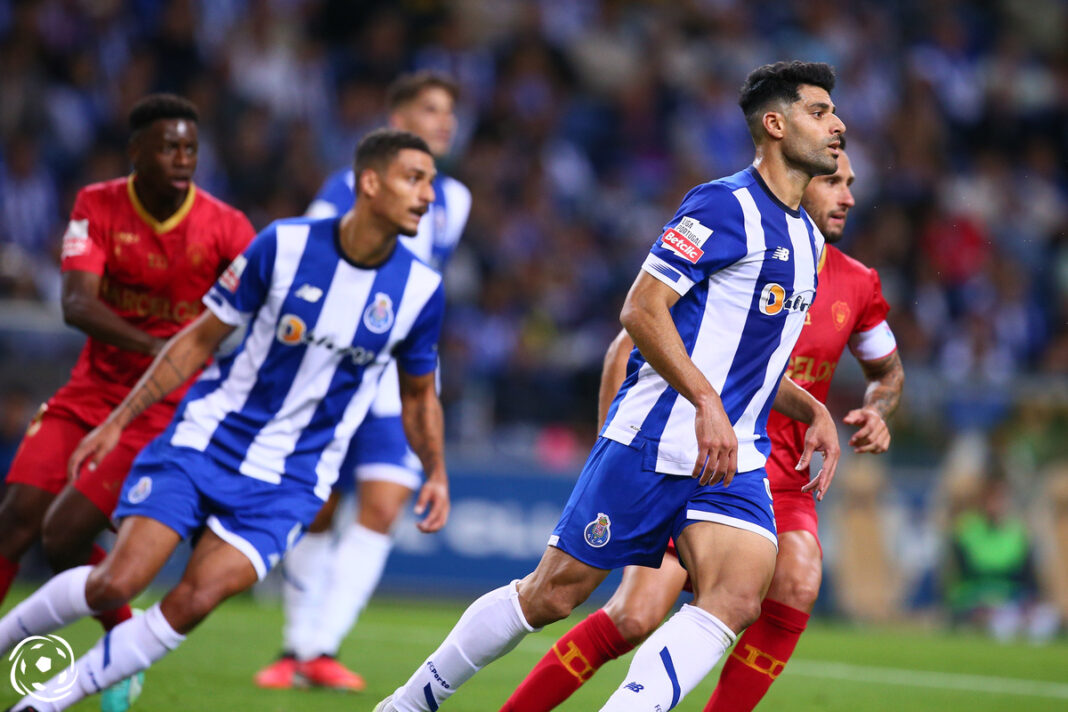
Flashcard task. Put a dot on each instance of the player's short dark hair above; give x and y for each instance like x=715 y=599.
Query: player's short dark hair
x=161 y=106
x=378 y=148
x=407 y=87
x=780 y=82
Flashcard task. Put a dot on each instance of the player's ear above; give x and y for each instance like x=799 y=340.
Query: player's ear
x=369 y=182
x=774 y=123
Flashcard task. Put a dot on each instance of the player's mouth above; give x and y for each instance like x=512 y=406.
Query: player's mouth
x=181 y=183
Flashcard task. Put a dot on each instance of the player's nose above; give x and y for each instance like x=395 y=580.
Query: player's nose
x=846 y=198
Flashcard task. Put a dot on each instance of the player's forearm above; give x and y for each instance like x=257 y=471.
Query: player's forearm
x=796 y=403
x=886 y=381
x=93 y=317
x=424 y=426
x=176 y=362
x=650 y=327
x=612 y=374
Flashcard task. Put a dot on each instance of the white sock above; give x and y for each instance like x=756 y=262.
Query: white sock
x=128 y=648
x=306 y=577
x=61 y=600
x=357 y=563
x=672 y=661
x=489 y=628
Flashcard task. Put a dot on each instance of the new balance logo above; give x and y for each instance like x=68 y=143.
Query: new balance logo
x=781 y=253
x=634 y=687
x=309 y=293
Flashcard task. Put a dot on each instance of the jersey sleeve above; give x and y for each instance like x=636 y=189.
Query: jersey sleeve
x=701 y=239
x=243 y=287
x=238 y=237
x=872 y=338
x=84 y=246
x=336 y=195
x=417 y=354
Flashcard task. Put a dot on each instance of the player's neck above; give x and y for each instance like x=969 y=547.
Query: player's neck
x=365 y=240
x=784 y=181
x=160 y=205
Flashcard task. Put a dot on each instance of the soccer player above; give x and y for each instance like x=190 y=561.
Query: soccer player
x=138 y=255
x=327 y=585
x=257 y=441
x=714 y=313
x=849 y=309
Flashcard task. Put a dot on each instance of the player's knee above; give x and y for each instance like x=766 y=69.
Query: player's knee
x=797 y=589
x=634 y=625
x=188 y=604
x=547 y=605
x=379 y=516
x=736 y=610
x=62 y=548
x=107 y=588
x=19 y=526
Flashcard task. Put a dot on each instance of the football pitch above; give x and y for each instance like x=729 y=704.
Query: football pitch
x=836 y=667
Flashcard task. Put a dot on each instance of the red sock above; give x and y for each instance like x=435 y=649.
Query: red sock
x=758 y=658
x=569 y=663
x=108 y=619
x=8 y=570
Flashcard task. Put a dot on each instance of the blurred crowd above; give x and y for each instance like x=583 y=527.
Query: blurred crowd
x=582 y=124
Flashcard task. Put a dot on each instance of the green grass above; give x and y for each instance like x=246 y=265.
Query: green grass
x=836 y=667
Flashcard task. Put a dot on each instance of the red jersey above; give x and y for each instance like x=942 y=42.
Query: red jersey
x=153 y=274
x=848 y=309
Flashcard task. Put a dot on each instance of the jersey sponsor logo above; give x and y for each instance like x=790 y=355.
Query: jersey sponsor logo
x=309 y=293
x=127 y=238
x=809 y=369
x=231 y=278
x=140 y=491
x=378 y=317
x=76 y=239
x=292 y=331
x=686 y=239
x=781 y=253
x=773 y=300
x=156 y=260
x=135 y=302
x=599 y=531
x=840 y=314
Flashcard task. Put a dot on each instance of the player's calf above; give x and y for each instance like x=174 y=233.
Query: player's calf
x=21 y=513
x=70 y=526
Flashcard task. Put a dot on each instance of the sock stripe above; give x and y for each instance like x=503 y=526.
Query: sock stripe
x=669 y=665
x=107 y=648
x=430 y=701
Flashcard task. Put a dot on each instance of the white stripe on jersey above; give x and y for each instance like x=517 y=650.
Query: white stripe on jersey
x=727 y=309
x=203 y=415
x=420 y=286
x=267 y=454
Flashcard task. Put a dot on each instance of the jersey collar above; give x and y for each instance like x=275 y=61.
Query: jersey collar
x=823 y=258
x=170 y=223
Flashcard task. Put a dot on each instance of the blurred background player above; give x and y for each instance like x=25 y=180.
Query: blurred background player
x=849 y=309
x=255 y=447
x=138 y=255
x=714 y=312
x=327 y=584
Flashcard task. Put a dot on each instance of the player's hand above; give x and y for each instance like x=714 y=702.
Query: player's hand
x=821 y=436
x=717 y=445
x=873 y=436
x=93 y=448
x=434 y=495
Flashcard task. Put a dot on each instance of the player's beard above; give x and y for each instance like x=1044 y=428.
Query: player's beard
x=813 y=162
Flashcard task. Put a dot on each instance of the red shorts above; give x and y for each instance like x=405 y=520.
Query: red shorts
x=41 y=460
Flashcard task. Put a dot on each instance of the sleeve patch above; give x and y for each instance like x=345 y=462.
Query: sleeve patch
x=76 y=239
x=686 y=239
x=231 y=278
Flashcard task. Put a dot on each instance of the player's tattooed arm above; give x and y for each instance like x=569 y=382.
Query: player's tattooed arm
x=424 y=426
x=886 y=380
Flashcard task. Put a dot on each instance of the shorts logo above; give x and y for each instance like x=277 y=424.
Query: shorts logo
x=773 y=300
x=599 y=531
x=231 y=278
x=139 y=492
x=686 y=239
x=378 y=317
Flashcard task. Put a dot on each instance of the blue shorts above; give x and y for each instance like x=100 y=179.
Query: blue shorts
x=186 y=490
x=379 y=451
x=623 y=512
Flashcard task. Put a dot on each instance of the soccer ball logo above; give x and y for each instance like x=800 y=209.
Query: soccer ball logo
x=36 y=660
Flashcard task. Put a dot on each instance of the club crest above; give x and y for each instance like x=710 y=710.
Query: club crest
x=599 y=531
x=139 y=492
x=378 y=317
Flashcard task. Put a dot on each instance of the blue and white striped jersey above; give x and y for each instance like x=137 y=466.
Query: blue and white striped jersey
x=745 y=267
x=439 y=230
x=321 y=330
